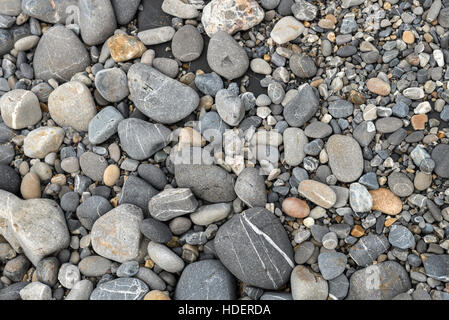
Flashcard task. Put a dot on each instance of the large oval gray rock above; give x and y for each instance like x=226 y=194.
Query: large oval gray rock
x=207 y=182
x=96 y=20
x=116 y=235
x=159 y=97
x=307 y=285
x=250 y=188
x=382 y=281
x=302 y=107
x=206 y=280
x=125 y=10
x=294 y=142
x=226 y=57
x=55 y=11
x=36 y=226
x=59 y=55
x=164 y=257
x=255 y=248
x=120 y=289
x=440 y=155
x=187 y=44
x=345 y=168
x=141 y=139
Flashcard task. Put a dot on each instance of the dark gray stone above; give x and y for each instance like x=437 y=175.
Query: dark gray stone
x=331 y=264
x=341 y=108
x=55 y=11
x=303 y=66
x=136 y=191
x=255 y=248
x=401 y=237
x=155 y=230
x=302 y=107
x=104 y=125
x=250 y=187
x=206 y=280
x=125 y=10
x=209 y=83
x=437 y=267
x=112 y=84
x=172 y=203
x=9 y=179
x=153 y=175
x=440 y=155
x=338 y=287
x=207 y=182
x=91 y=209
x=187 y=44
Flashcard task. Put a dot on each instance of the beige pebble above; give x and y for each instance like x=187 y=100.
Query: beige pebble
x=111 y=175
x=31 y=186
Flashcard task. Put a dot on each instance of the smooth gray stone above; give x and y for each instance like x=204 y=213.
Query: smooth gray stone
x=230 y=107
x=91 y=209
x=97 y=21
x=167 y=66
x=10 y=7
x=159 y=97
x=125 y=10
x=93 y=165
x=152 y=279
x=303 y=66
x=276 y=296
x=338 y=287
x=341 y=108
x=255 y=248
x=206 y=280
x=388 y=124
x=437 y=267
x=141 y=139
x=318 y=130
x=382 y=281
x=11 y=292
x=440 y=155
x=209 y=83
x=9 y=179
x=207 y=182
x=346 y=169
x=226 y=57
x=364 y=133
x=401 y=237
x=6 y=41
x=94 y=266
x=59 y=55
x=302 y=107
x=368 y=249
x=55 y=11
x=47 y=271
x=120 y=289
x=155 y=230
x=136 y=191
x=112 y=84
x=81 y=290
x=153 y=175
x=187 y=44
x=104 y=125
x=250 y=187
x=331 y=264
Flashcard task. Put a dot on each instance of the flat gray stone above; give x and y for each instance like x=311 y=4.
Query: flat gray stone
x=104 y=125
x=187 y=44
x=437 y=267
x=172 y=203
x=255 y=248
x=96 y=20
x=125 y=10
x=159 y=97
x=206 y=280
x=250 y=188
x=112 y=84
x=331 y=264
x=302 y=107
x=55 y=11
x=368 y=249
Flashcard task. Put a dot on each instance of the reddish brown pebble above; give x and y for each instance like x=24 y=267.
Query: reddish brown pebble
x=419 y=121
x=295 y=207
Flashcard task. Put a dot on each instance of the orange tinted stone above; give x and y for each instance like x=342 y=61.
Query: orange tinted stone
x=390 y=221
x=419 y=121
x=378 y=86
x=357 y=231
x=386 y=201
x=156 y=295
x=295 y=207
x=124 y=47
x=408 y=37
